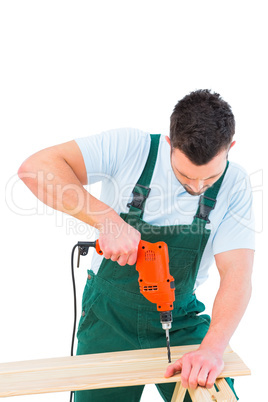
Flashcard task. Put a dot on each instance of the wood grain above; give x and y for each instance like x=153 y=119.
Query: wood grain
x=102 y=370
x=179 y=393
x=201 y=394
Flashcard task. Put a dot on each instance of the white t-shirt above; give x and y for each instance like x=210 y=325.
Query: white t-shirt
x=117 y=158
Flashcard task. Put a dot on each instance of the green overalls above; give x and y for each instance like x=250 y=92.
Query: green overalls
x=116 y=317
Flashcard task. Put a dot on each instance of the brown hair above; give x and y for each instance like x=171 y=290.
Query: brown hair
x=202 y=124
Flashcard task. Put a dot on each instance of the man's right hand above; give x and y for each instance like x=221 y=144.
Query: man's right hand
x=119 y=241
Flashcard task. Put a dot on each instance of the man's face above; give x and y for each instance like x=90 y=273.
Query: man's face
x=197 y=179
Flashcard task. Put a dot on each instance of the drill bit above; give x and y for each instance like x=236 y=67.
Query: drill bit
x=166 y=320
x=168 y=346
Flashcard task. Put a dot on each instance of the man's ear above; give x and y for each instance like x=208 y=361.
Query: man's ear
x=168 y=140
x=232 y=144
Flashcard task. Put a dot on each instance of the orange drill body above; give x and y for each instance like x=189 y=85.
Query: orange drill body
x=156 y=283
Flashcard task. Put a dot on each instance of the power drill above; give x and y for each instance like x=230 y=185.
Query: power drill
x=156 y=283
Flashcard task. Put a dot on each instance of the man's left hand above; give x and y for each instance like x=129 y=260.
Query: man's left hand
x=200 y=367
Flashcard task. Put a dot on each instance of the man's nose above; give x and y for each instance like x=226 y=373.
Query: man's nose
x=196 y=185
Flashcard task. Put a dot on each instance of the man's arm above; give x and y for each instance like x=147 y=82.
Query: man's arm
x=204 y=365
x=56 y=176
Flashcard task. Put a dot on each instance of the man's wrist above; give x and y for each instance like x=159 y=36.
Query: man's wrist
x=214 y=344
x=109 y=223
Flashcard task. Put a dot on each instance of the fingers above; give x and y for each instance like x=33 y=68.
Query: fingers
x=114 y=257
x=123 y=259
x=173 y=368
x=122 y=255
x=202 y=376
x=196 y=369
x=186 y=373
x=190 y=379
x=129 y=258
x=120 y=245
x=133 y=257
x=211 y=378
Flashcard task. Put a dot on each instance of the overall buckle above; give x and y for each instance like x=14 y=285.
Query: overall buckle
x=140 y=193
x=205 y=209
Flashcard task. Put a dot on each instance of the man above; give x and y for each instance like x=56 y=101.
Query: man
x=186 y=193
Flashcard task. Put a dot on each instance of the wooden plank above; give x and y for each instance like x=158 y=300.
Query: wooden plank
x=102 y=370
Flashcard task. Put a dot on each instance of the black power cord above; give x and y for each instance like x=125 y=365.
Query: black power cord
x=83 y=247
x=75 y=304
x=75 y=307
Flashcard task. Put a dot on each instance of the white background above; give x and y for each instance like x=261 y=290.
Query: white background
x=75 y=68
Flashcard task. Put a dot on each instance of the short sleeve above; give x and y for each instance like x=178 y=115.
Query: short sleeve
x=236 y=229
x=107 y=152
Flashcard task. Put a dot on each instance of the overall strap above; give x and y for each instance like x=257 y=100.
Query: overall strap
x=141 y=190
x=208 y=200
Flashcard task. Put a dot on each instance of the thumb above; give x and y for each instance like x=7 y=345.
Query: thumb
x=173 y=368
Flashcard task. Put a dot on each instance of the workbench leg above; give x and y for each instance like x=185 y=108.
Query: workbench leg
x=225 y=394
x=179 y=393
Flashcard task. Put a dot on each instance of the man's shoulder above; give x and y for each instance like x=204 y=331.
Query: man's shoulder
x=236 y=175
x=237 y=186
x=126 y=134
x=237 y=169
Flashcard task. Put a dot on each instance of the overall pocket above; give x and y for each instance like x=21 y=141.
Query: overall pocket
x=90 y=297
x=183 y=268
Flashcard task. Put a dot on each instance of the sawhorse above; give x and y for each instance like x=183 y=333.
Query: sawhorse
x=200 y=394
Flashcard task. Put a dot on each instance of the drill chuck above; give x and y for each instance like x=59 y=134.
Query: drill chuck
x=166 y=319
